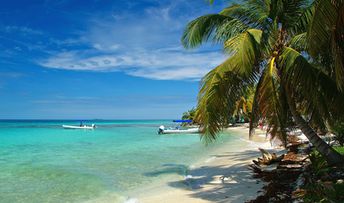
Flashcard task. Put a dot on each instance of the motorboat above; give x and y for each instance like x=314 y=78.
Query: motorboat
x=79 y=127
x=162 y=130
x=178 y=129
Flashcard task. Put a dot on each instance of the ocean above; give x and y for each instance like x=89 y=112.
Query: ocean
x=42 y=162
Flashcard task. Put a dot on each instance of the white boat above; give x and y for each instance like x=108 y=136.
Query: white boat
x=162 y=130
x=79 y=127
x=181 y=131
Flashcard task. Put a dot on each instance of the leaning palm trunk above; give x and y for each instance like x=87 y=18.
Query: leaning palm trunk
x=332 y=157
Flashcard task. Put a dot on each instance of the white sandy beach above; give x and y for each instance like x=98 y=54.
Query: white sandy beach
x=224 y=177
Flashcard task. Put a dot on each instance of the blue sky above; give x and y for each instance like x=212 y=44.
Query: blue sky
x=119 y=59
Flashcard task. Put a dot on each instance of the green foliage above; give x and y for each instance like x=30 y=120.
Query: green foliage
x=319 y=165
x=243 y=106
x=325 y=37
x=318 y=191
x=266 y=42
x=269 y=47
x=338 y=129
x=234 y=76
x=189 y=115
x=298 y=42
x=325 y=192
x=205 y=28
x=340 y=150
x=222 y=88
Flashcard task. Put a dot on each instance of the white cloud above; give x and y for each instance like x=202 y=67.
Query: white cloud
x=111 y=47
x=22 y=30
x=159 y=13
x=155 y=64
x=143 y=44
x=186 y=73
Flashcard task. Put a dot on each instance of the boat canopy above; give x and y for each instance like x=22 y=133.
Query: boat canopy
x=182 y=121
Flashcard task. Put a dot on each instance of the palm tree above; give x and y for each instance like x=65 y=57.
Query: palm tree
x=243 y=107
x=189 y=115
x=265 y=42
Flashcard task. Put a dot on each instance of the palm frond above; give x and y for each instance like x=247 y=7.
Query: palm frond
x=231 y=10
x=338 y=46
x=244 y=105
x=203 y=29
x=217 y=98
x=222 y=87
x=326 y=33
x=244 y=51
x=255 y=114
x=270 y=102
x=252 y=13
x=316 y=91
x=300 y=74
x=228 y=30
x=304 y=18
x=321 y=26
x=298 y=42
x=294 y=13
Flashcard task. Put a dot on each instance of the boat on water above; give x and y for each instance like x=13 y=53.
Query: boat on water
x=178 y=129
x=79 y=127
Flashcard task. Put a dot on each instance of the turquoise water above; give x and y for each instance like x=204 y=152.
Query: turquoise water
x=42 y=162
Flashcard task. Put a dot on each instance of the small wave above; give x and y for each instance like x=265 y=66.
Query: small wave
x=131 y=200
x=265 y=145
x=210 y=159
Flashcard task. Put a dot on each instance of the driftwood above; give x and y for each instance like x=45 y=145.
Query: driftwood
x=268 y=158
x=267 y=163
x=282 y=173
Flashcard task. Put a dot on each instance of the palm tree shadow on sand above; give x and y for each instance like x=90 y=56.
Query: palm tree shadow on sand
x=221 y=183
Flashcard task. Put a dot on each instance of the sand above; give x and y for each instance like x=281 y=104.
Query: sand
x=224 y=177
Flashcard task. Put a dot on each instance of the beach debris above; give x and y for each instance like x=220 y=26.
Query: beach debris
x=226 y=179
x=263 y=168
x=283 y=173
x=222 y=179
x=192 y=182
x=188 y=177
x=267 y=158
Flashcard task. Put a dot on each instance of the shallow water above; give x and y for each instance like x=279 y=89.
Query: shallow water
x=42 y=162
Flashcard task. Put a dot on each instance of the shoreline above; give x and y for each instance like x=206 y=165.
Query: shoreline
x=223 y=177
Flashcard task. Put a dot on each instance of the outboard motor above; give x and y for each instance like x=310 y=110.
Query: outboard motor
x=161 y=129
